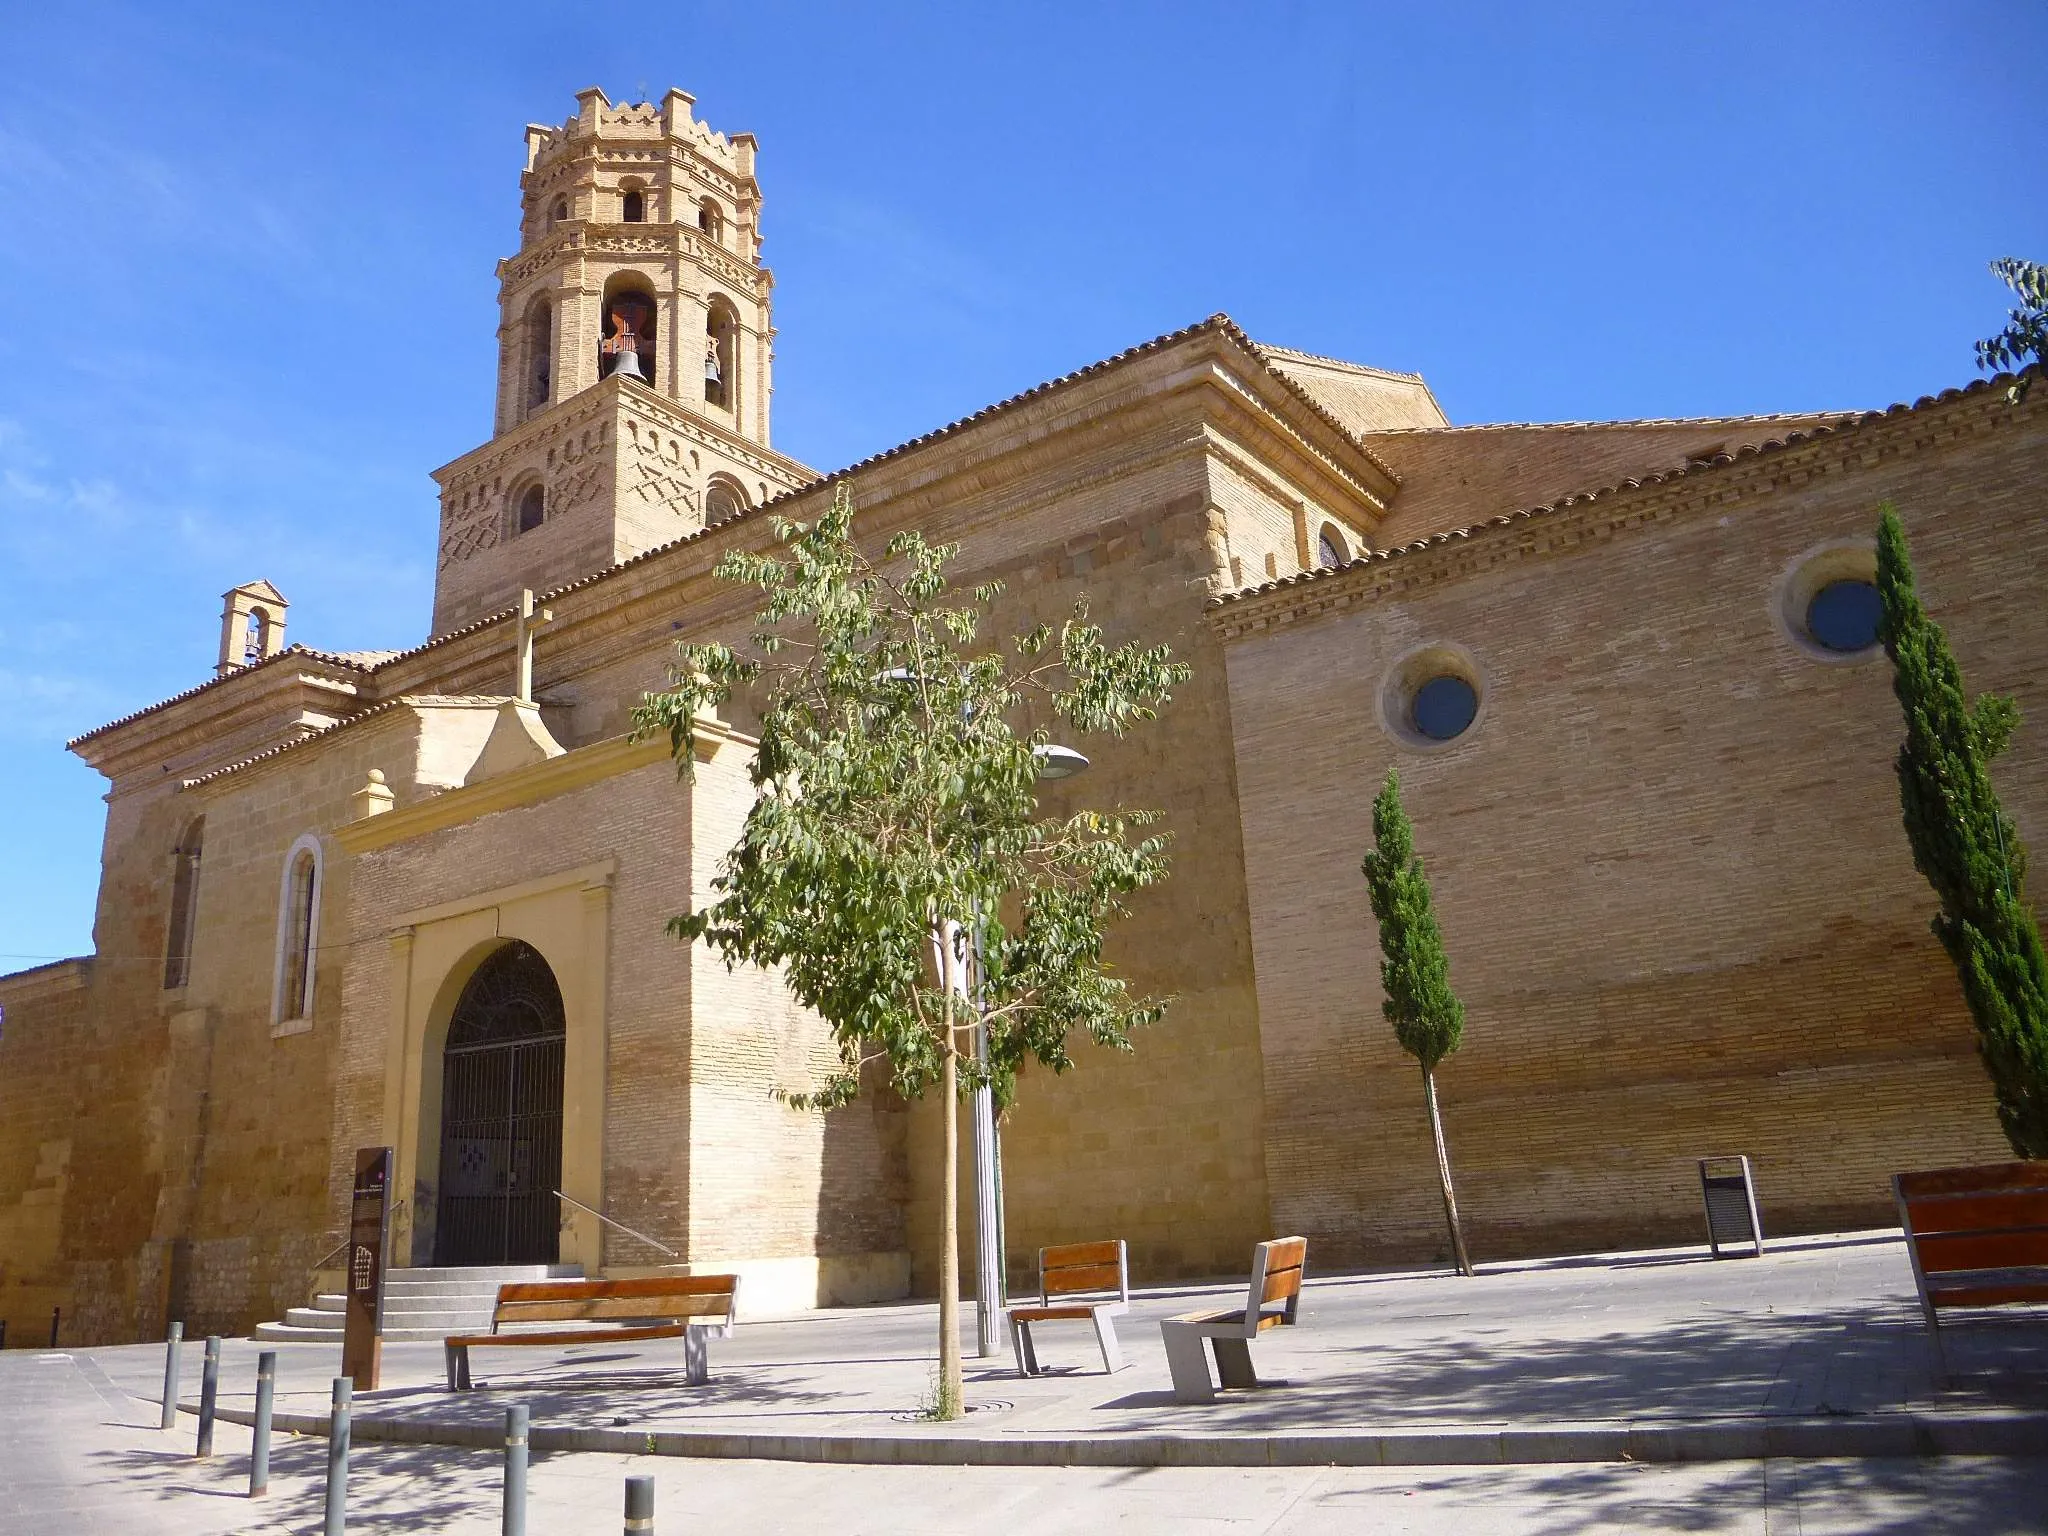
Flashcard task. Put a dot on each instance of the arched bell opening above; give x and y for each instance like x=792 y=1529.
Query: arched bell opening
x=540 y=352
x=721 y=354
x=501 y=1115
x=628 y=337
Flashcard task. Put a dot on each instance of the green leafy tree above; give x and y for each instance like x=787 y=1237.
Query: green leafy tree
x=897 y=819
x=2025 y=337
x=1415 y=973
x=1967 y=847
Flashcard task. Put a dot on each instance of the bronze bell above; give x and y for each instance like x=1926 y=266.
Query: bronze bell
x=628 y=365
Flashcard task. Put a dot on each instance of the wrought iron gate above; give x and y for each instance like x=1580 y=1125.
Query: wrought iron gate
x=501 y=1116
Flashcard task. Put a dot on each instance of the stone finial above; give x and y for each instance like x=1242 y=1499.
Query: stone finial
x=373 y=799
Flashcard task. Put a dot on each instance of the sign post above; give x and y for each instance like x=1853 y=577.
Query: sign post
x=369 y=1230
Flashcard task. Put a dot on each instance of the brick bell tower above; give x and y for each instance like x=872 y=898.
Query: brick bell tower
x=634 y=352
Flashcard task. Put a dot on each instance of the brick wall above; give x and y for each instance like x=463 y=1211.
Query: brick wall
x=1667 y=858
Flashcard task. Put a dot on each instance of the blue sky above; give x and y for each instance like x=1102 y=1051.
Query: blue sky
x=246 y=293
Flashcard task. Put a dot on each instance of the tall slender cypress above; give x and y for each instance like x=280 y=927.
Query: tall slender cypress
x=1415 y=972
x=1967 y=847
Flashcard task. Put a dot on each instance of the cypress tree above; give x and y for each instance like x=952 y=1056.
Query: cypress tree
x=1415 y=972
x=1967 y=847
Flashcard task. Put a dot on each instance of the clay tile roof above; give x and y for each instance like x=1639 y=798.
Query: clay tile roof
x=300 y=653
x=1846 y=424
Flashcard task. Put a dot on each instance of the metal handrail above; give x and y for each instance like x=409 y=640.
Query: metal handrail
x=333 y=1253
x=600 y=1215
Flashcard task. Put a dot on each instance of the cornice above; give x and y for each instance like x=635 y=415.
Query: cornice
x=42 y=982
x=526 y=786
x=1588 y=516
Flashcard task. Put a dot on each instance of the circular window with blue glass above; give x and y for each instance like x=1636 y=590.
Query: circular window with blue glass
x=1432 y=696
x=1826 y=603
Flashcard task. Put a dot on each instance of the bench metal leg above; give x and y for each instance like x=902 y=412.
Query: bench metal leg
x=458 y=1367
x=696 y=1357
x=1020 y=1341
x=1234 y=1362
x=1105 y=1335
x=1188 y=1362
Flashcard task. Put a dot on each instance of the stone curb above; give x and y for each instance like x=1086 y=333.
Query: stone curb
x=1848 y=1437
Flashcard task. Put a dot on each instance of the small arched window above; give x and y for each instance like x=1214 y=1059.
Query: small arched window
x=298 y=922
x=531 y=510
x=558 y=212
x=633 y=207
x=1330 y=548
x=184 y=904
x=723 y=500
x=721 y=354
x=710 y=220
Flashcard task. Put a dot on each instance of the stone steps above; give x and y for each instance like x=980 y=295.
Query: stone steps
x=419 y=1304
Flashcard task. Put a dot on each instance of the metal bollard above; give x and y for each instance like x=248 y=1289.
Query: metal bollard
x=515 y=1470
x=337 y=1459
x=209 y=1396
x=172 y=1339
x=55 y=1313
x=639 y=1505
x=259 y=1448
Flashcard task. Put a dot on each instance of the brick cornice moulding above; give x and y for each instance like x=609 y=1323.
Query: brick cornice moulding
x=526 y=786
x=1593 y=516
x=46 y=981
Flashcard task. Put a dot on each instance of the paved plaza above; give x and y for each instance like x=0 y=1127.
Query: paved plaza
x=1821 y=1332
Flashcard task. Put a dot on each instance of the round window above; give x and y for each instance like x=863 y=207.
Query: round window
x=1843 y=615
x=1444 y=707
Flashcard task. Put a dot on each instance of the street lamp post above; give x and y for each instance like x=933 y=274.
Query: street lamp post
x=1054 y=762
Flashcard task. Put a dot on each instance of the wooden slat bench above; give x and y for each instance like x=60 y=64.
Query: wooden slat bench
x=1978 y=1238
x=1093 y=1282
x=689 y=1307
x=1270 y=1302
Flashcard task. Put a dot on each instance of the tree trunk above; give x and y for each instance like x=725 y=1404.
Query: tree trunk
x=951 y=1390
x=1443 y=1174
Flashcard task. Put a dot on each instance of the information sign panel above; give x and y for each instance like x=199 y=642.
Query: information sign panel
x=369 y=1231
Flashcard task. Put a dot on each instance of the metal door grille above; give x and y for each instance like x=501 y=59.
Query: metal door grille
x=501 y=1116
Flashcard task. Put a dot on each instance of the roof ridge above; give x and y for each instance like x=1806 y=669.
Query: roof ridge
x=1854 y=422
x=1634 y=421
x=1339 y=362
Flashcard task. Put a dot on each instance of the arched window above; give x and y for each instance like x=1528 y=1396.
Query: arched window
x=1330 y=548
x=721 y=354
x=184 y=904
x=540 y=352
x=629 y=329
x=530 y=510
x=633 y=207
x=298 y=924
x=710 y=220
x=723 y=499
x=559 y=212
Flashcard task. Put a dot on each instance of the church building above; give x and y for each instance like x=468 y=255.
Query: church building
x=1626 y=671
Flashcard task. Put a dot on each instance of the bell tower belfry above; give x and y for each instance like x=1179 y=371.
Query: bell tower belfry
x=635 y=348
x=640 y=249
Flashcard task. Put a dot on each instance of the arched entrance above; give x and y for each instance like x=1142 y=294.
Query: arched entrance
x=501 y=1115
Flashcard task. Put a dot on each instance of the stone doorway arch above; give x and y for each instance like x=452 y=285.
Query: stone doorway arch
x=501 y=1115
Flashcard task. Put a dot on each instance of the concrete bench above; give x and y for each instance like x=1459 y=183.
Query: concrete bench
x=1270 y=1302
x=1093 y=1282
x=689 y=1307
x=1978 y=1238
